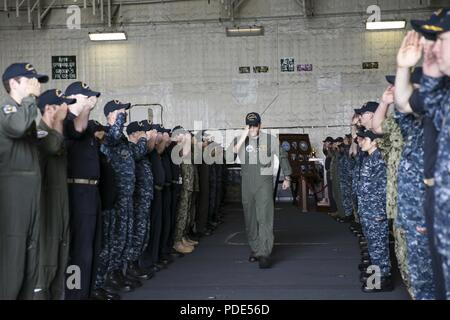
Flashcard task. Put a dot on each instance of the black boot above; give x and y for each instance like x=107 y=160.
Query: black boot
x=155 y=268
x=166 y=260
x=364 y=276
x=160 y=265
x=134 y=271
x=102 y=294
x=252 y=257
x=365 y=255
x=114 y=281
x=363 y=266
x=174 y=253
x=264 y=262
x=132 y=281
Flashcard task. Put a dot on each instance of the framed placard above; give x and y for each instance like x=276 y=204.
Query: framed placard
x=64 y=67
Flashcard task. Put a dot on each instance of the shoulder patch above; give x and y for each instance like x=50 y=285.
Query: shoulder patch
x=9 y=109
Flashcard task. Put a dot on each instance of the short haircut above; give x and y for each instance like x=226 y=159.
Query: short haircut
x=7 y=86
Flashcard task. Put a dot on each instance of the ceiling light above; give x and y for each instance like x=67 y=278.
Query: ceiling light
x=107 y=36
x=244 y=31
x=385 y=25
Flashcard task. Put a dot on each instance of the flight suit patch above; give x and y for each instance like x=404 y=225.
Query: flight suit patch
x=9 y=109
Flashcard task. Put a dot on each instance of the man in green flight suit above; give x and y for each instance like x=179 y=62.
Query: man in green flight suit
x=54 y=220
x=20 y=182
x=256 y=152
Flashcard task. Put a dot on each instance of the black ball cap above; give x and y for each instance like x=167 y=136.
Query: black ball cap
x=339 y=139
x=81 y=88
x=53 y=97
x=95 y=126
x=439 y=22
x=114 y=105
x=23 y=70
x=147 y=125
x=253 y=119
x=328 y=139
x=370 y=106
x=135 y=126
x=158 y=128
x=416 y=76
x=369 y=134
x=165 y=130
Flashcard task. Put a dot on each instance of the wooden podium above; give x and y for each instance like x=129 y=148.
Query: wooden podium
x=299 y=152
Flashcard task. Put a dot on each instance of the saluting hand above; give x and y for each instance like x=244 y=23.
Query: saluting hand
x=355 y=119
x=91 y=102
x=33 y=87
x=61 y=112
x=388 y=95
x=246 y=131
x=410 y=51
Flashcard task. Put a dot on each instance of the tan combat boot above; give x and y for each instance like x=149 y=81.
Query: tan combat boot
x=179 y=247
x=187 y=243
x=191 y=242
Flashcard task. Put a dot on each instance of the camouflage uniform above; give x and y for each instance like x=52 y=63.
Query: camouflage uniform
x=104 y=258
x=345 y=166
x=372 y=209
x=411 y=195
x=120 y=155
x=391 y=146
x=192 y=218
x=356 y=176
x=185 y=202
x=108 y=195
x=142 y=199
x=437 y=101
x=335 y=178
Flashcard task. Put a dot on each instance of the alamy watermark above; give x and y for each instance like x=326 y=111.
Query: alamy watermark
x=73 y=281
x=220 y=147
x=73 y=21
x=374 y=280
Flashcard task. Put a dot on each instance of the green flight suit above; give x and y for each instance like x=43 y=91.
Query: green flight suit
x=257 y=189
x=54 y=221
x=20 y=190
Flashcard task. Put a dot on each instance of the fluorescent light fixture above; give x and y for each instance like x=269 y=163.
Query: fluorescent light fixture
x=107 y=36
x=385 y=25
x=244 y=31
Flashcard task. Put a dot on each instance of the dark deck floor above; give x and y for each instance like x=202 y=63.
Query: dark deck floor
x=315 y=258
